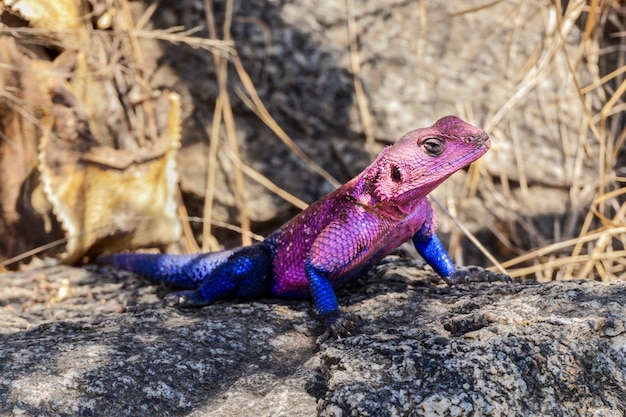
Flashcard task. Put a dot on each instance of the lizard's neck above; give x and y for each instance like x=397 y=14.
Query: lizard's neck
x=363 y=191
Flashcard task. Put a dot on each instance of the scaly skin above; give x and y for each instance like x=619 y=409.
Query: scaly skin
x=339 y=237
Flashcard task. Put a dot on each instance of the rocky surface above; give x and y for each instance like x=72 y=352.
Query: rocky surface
x=92 y=341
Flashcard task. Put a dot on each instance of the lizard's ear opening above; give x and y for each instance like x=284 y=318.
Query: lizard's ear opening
x=396 y=174
x=390 y=180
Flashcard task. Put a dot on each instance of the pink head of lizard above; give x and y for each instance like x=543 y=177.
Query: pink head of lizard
x=421 y=160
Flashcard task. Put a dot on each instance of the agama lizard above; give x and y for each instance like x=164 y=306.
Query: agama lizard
x=337 y=238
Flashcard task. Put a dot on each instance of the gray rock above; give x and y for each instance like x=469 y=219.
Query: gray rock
x=92 y=341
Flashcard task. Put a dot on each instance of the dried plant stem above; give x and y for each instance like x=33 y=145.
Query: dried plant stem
x=558 y=246
x=174 y=121
x=600 y=82
x=561 y=262
x=144 y=114
x=476 y=9
x=361 y=98
x=208 y=242
x=603 y=240
x=227 y=226
x=221 y=66
x=471 y=237
x=264 y=181
x=607 y=153
x=33 y=252
x=173 y=35
x=254 y=102
x=191 y=246
x=551 y=45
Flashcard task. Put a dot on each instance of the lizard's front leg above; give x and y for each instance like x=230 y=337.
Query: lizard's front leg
x=431 y=249
x=341 y=249
x=335 y=322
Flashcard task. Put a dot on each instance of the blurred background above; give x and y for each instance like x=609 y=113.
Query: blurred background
x=198 y=125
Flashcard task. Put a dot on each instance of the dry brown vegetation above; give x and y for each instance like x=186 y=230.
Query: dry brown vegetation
x=591 y=246
x=596 y=249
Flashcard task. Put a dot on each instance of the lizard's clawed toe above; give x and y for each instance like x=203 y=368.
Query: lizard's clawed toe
x=189 y=298
x=469 y=274
x=336 y=324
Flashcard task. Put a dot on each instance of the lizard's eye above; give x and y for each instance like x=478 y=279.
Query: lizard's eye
x=434 y=146
x=396 y=175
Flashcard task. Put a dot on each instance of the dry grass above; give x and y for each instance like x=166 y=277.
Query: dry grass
x=595 y=249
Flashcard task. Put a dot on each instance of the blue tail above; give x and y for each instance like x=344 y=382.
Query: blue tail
x=185 y=271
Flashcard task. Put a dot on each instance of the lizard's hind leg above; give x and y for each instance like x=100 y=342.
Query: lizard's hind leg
x=244 y=274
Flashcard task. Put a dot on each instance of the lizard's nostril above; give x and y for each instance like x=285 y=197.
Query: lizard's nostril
x=477 y=138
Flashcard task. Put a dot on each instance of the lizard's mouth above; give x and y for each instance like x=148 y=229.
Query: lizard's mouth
x=463 y=160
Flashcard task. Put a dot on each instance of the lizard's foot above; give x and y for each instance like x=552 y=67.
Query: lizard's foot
x=468 y=274
x=190 y=298
x=336 y=324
